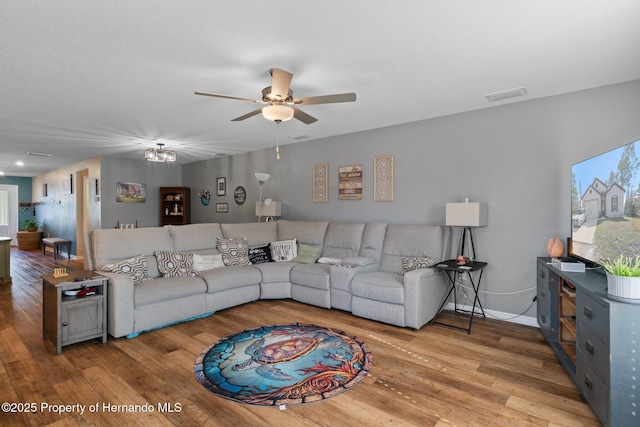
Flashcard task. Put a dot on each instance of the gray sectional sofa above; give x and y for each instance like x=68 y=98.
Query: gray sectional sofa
x=362 y=275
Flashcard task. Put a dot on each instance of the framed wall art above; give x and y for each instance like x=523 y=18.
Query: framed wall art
x=131 y=192
x=383 y=179
x=350 y=182
x=240 y=195
x=67 y=184
x=222 y=207
x=321 y=183
x=221 y=186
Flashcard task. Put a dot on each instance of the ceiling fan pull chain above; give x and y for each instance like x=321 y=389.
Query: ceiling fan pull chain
x=277 y=139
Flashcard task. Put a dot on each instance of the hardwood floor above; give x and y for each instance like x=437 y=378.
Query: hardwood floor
x=501 y=375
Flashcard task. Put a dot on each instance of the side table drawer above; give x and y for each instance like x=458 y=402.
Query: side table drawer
x=593 y=315
x=593 y=389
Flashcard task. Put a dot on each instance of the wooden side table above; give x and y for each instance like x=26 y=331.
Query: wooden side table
x=69 y=319
x=454 y=271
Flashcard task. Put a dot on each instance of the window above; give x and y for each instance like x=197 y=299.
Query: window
x=614 y=203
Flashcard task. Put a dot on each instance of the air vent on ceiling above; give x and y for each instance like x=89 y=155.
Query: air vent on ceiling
x=299 y=137
x=506 y=94
x=34 y=153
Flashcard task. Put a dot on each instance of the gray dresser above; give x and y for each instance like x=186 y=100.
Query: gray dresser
x=597 y=340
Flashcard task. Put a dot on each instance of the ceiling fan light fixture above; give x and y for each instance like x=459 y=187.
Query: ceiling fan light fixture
x=160 y=155
x=277 y=113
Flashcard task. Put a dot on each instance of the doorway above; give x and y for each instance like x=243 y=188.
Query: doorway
x=9 y=218
x=82 y=210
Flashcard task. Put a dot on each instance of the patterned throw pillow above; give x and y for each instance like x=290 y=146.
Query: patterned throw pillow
x=175 y=264
x=235 y=251
x=207 y=262
x=284 y=250
x=260 y=255
x=415 y=262
x=135 y=267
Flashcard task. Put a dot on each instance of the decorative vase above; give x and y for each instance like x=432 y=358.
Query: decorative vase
x=623 y=288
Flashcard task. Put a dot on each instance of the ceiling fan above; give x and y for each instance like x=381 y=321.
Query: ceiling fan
x=281 y=105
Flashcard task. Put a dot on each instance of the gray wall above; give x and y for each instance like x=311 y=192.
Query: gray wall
x=516 y=157
x=153 y=175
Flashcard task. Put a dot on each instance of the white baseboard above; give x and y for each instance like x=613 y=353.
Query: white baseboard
x=501 y=315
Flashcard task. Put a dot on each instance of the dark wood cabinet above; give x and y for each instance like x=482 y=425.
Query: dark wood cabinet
x=175 y=206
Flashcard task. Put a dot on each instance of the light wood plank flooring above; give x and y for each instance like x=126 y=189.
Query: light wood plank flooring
x=501 y=375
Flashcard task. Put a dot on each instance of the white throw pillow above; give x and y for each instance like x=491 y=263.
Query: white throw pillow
x=207 y=262
x=284 y=250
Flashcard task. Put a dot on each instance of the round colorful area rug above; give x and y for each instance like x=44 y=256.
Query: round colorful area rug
x=283 y=365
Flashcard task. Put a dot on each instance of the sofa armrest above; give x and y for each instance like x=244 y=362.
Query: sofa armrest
x=424 y=291
x=120 y=304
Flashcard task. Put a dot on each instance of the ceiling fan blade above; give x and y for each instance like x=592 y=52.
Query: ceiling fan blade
x=280 y=82
x=326 y=99
x=303 y=117
x=227 y=97
x=246 y=116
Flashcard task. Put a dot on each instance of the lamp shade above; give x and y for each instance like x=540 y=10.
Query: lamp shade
x=277 y=113
x=273 y=209
x=262 y=177
x=472 y=214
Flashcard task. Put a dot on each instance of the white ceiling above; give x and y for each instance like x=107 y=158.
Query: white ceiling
x=81 y=78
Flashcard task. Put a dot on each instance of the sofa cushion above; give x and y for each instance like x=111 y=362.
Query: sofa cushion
x=411 y=263
x=161 y=289
x=379 y=286
x=306 y=254
x=275 y=271
x=175 y=264
x=194 y=237
x=307 y=232
x=231 y=277
x=260 y=255
x=311 y=275
x=207 y=262
x=342 y=239
x=284 y=250
x=111 y=244
x=235 y=251
x=403 y=240
x=135 y=267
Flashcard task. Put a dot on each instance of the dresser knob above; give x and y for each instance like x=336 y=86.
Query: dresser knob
x=64 y=323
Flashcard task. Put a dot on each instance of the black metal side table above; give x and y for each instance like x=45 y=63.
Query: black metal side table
x=454 y=271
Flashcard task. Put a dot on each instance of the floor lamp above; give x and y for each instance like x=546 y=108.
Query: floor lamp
x=262 y=178
x=466 y=215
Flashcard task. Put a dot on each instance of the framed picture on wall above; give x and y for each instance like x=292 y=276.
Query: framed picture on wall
x=222 y=207
x=321 y=183
x=350 y=182
x=221 y=186
x=131 y=192
x=383 y=179
x=67 y=184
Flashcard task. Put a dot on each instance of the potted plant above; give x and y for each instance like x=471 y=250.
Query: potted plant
x=30 y=225
x=623 y=279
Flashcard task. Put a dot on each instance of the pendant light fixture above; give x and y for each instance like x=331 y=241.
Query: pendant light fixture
x=160 y=154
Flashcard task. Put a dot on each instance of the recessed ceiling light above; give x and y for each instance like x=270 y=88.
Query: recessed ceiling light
x=19 y=163
x=1 y=173
x=506 y=94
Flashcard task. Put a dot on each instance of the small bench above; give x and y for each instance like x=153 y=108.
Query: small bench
x=55 y=243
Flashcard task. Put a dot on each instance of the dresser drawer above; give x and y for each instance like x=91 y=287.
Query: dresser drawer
x=593 y=351
x=593 y=389
x=593 y=315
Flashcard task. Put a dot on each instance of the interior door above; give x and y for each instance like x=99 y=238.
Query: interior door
x=9 y=212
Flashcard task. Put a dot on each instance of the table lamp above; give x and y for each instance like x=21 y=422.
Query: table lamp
x=466 y=215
